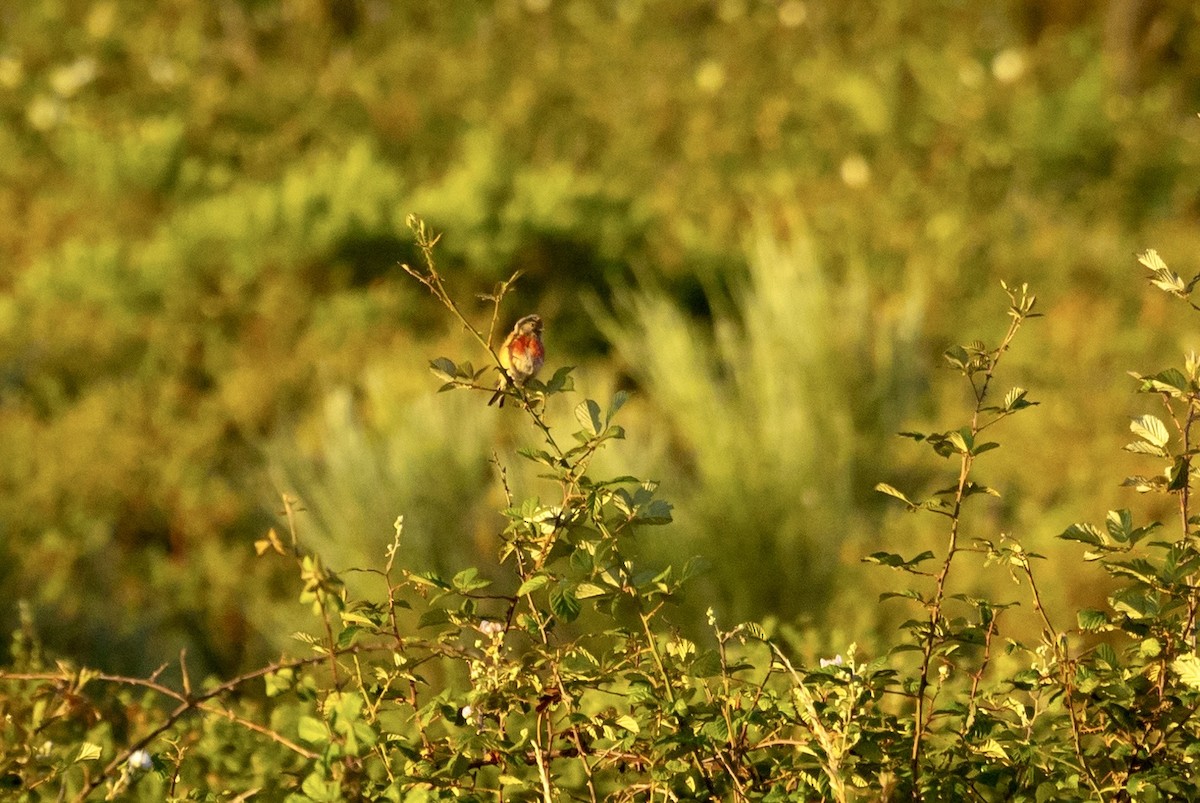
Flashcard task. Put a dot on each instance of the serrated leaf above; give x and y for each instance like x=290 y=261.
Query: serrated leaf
x=1106 y=653
x=1152 y=260
x=1142 y=447
x=564 y=604
x=312 y=730
x=1084 y=533
x=1091 y=620
x=587 y=413
x=1187 y=668
x=1015 y=399
x=992 y=749
x=1150 y=429
x=469 y=580
x=755 y=631
x=1145 y=484
x=1119 y=523
x=533 y=584
x=89 y=752
x=629 y=723
x=347 y=636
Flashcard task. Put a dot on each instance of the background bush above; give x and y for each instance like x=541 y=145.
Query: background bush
x=766 y=218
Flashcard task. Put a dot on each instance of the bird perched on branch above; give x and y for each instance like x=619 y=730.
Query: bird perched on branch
x=521 y=354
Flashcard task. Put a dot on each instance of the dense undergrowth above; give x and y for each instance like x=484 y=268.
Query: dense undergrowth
x=557 y=671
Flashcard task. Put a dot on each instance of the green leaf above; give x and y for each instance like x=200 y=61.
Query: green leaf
x=992 y=749
x=962 y=441
x=1172 y=381
x=540 y=456
x=618 y=401
x=657 y=511
x=312 y=730
x=1150 y=429
x=1180 y=473
x=1015 y=400
x=1119 y=524
x=347 y=636
x=433 y=617
x=706 y=665
x=629 y=723
x=1106 y=654
x=586 y=590
x=533 y=584
x=896 y=561
x=1084 y=533
x=444 y=368
x=1091 y=620
x=1135 y=603
x=957 y=357
x=469 y=580
x=884 y=488
x=564 y=604
x=1141 y=447
x=587 y=413
x=562 y=381
x=89 y=752
x=1187 y=667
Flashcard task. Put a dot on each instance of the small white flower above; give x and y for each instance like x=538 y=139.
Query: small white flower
x=490 y=627
x=466 y=711
x=834 y=661
x=140 y=761
x=943 y=671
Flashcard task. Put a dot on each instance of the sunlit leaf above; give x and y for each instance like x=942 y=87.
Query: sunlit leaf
x=1187 y=668
x=1151 y=430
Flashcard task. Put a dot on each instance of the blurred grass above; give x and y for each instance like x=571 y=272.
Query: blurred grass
x=783 y=212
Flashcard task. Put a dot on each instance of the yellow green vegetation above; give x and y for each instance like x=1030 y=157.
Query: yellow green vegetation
x=766 y=219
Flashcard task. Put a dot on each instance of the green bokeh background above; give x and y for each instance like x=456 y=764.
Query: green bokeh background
x=766 y=218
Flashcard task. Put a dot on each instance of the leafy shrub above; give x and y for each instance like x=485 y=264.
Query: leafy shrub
x=562 y=676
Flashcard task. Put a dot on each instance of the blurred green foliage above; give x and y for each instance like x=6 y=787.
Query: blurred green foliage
x=768 y=216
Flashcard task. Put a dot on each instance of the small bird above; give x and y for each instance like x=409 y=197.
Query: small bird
x=521 y=354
